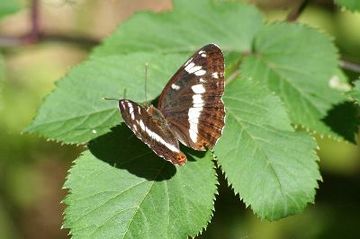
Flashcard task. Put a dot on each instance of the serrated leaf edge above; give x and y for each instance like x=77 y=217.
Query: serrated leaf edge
x=216 y=193
x=312 y=132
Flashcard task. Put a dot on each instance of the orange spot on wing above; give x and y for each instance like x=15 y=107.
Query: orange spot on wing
x=180 y=159
x=202 y=144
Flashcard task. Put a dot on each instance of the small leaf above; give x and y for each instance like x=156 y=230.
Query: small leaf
x=343 y=117
x=353 y=5
x=135 y=194
x=297 y=63
x=355 y=92
x=273 y=168
x=185 y=30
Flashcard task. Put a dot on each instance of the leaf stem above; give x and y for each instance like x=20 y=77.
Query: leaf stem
x=296 y=12
x=232 y=77
x=234 y=69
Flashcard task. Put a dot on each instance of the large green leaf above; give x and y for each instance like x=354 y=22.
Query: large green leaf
x=273 y=168
x=298 y=64
x=353 y=5
x=135 y=194
x=189 y=26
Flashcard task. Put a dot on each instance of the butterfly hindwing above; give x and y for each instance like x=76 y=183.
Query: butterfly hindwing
x=150 y=127
x=191 y=101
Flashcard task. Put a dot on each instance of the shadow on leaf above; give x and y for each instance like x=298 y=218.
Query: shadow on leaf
x=191 y=154
x=121 y=149
x=344 y=120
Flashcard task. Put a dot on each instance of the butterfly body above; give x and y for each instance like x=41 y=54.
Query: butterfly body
x=190 y=108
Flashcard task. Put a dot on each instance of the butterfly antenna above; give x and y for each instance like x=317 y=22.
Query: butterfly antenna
x=145 y=85
x=107 y=98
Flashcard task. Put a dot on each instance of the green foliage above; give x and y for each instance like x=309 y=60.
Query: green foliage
x=297 y=63
x=272 y=167
x=119 y=188
x=8 y=7
x=142 y=196
x=353 y=5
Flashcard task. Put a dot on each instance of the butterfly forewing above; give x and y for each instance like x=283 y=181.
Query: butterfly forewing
x=191 y=101
x=149 y=125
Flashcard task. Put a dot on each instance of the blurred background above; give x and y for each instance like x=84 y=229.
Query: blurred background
x=33 y=170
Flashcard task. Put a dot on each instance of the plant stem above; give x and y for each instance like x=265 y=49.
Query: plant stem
x=232 y=77
x=35 y=35
x=351 y=66
x=34 y=19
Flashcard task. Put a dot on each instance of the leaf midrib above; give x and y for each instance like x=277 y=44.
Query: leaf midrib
x=131 y=220
x=260 y=149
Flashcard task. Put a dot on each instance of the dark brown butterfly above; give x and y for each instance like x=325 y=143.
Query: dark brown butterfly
x=190 y=108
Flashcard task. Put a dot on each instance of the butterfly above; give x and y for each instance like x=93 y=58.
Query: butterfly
x=190 y=108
